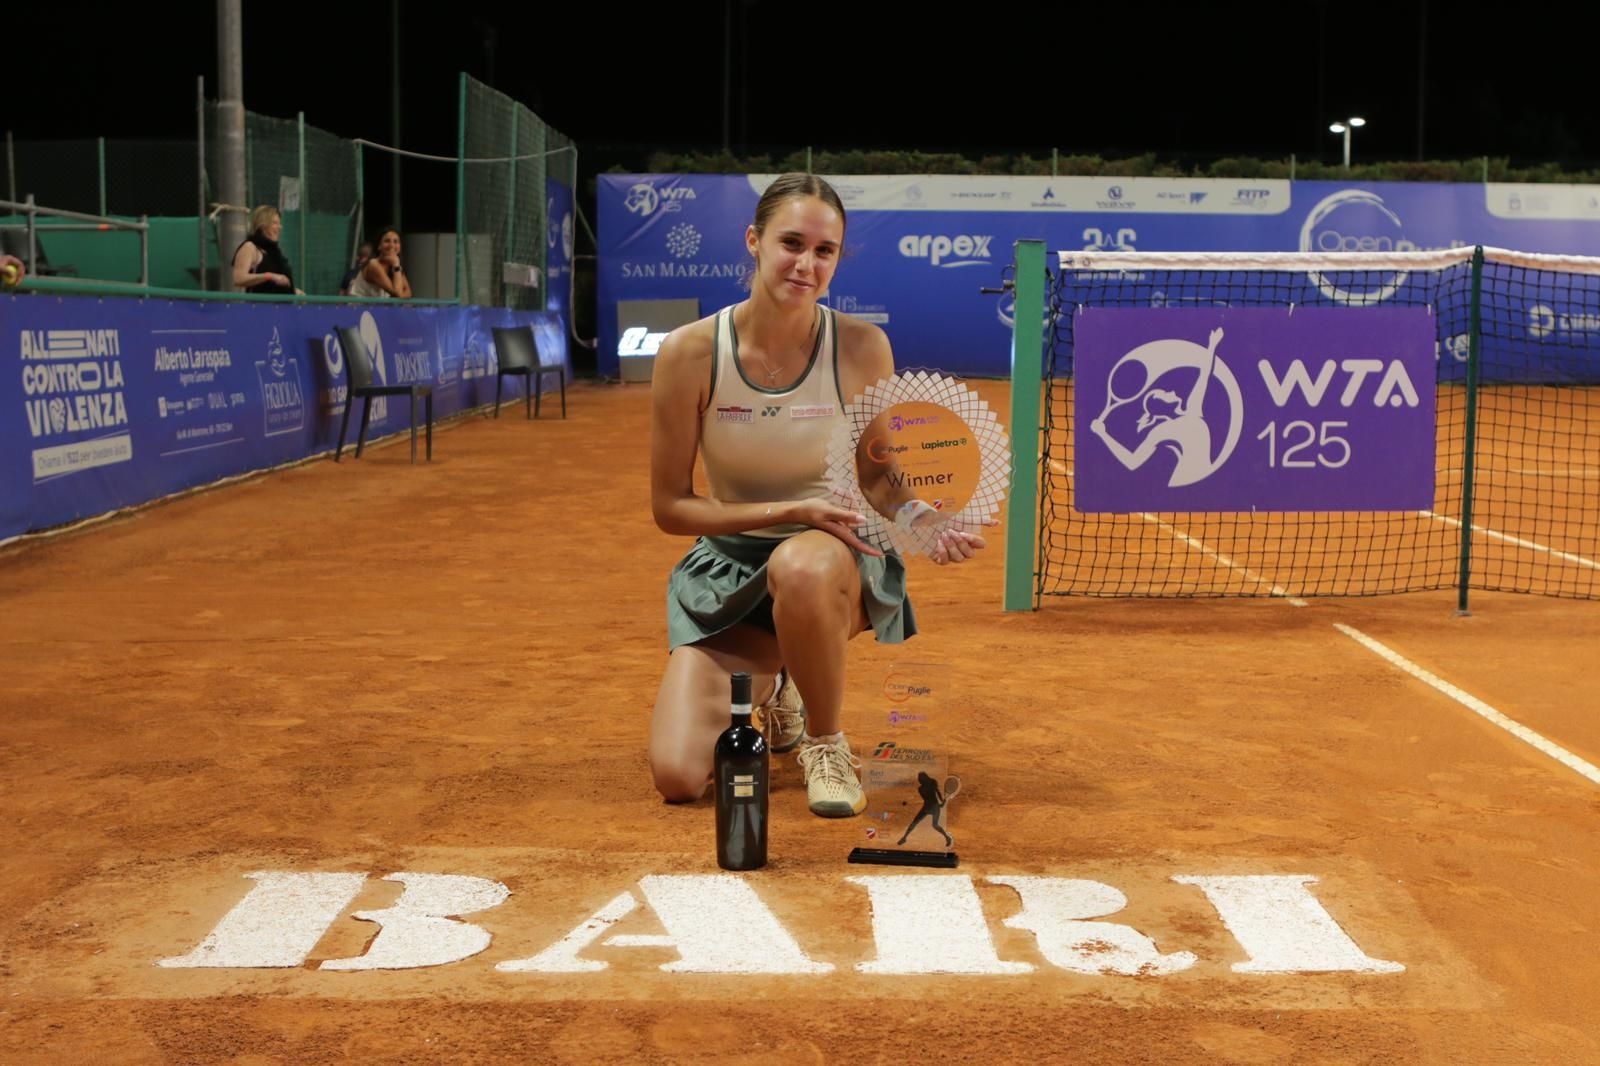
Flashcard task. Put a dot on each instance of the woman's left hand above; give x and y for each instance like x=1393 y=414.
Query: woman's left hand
x=956 y=546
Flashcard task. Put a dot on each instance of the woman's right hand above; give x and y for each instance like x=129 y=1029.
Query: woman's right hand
x=831 y=518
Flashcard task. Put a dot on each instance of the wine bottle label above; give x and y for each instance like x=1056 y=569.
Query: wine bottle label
x=744 y=785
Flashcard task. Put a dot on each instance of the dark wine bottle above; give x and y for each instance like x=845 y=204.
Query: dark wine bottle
x=741 y=784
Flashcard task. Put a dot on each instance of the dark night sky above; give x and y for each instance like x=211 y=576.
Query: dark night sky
x=1190 y=81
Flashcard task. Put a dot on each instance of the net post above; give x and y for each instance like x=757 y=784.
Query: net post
x=1468 y=457
x=1027 y=345
x=461 y=189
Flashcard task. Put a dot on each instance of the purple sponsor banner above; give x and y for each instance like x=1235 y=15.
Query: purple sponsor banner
x=1271 y=409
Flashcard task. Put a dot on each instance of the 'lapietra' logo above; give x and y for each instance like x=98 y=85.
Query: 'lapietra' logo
x=1168 y=418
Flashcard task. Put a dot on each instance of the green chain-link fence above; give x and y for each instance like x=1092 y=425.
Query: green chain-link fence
x=507 y=153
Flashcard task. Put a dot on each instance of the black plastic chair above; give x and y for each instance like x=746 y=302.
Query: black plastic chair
x=363 y=383
x=517 y=351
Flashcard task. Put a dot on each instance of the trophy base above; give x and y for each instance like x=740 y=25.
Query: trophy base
x=944 y=860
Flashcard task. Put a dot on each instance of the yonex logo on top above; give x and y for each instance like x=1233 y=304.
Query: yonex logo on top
x=942 y=251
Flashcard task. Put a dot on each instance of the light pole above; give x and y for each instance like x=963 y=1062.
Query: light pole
x=1345 y=127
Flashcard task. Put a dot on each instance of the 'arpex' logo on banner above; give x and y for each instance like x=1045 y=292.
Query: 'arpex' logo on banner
x=943 y=251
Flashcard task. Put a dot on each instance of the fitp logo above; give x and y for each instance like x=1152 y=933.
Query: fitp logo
x=1165 y=390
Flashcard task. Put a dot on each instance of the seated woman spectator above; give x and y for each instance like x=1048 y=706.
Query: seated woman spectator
x=383 y=275
x=259 y=265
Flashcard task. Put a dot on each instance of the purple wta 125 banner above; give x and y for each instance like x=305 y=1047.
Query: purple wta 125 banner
x=1271 y=409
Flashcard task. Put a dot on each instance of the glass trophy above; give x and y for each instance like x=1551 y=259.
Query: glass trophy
x=916 y=454
x=906 y=771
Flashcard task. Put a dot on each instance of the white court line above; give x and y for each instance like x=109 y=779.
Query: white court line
x=1204 y=549
x=1455 y=523
x=1201 y=547
x=1477 y=706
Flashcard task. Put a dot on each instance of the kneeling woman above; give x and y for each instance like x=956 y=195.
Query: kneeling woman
x=778 y=582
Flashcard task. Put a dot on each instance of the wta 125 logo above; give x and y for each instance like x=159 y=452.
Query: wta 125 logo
x=1181 y=399
x=645 y=199
x=1254 y=409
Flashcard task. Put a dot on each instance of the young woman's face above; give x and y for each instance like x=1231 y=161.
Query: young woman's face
x=389 y=245
x=798 y=253
x=273 y=228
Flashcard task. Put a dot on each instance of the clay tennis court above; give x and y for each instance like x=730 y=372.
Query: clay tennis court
x=375 y=668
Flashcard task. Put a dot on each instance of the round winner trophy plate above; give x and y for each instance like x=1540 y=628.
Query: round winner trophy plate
x=917 y=454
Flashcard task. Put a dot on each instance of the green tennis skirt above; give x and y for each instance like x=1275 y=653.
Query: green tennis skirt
x=723 y=580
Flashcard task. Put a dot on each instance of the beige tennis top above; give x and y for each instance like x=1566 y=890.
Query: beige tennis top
x=763 y=445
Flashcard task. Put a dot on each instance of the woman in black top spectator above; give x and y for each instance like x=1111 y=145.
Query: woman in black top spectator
x=259 y=265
